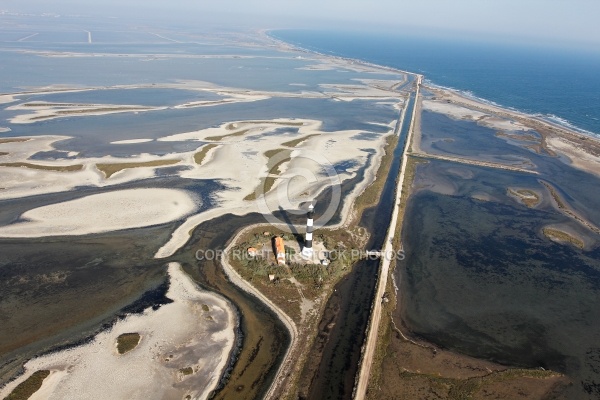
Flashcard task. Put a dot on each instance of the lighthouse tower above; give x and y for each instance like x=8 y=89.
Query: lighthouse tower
x=307 y=251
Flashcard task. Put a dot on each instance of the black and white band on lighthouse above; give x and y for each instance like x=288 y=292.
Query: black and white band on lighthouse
x=307 y=251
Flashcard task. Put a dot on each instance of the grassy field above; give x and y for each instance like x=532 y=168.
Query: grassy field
x=127 y=342
x=111 y=169
x=312 y=277
x=57 y=168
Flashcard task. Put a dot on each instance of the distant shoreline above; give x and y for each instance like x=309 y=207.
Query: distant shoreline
x=552 y=119
x=578 y=135
x=580 y=146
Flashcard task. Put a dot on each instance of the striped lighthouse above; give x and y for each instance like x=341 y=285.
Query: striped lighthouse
x=307 y=251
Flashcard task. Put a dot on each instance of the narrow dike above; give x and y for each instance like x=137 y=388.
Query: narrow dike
x=342 y=329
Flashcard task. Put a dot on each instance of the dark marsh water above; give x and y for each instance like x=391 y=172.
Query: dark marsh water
x=480 y=277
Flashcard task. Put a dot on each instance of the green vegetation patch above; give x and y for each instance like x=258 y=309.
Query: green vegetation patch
x=371 y=195
x=524 y=136
x=201 y=155
x=29 y=386
x=561 y=205
x=57 y=168
x=111 y=169
x=296 y=142
x=283 y=123
x=187 y=371
x=61 y=113
x=100 y=109
x=528 y=197
x=13 y=140
x=127 y=342
x=275 y=158
x=315 y=281
x=43 y=104
x=233 y=126
x=221 y=137
x=563 y=237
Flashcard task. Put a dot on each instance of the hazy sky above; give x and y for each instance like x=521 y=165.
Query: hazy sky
x=543 y=20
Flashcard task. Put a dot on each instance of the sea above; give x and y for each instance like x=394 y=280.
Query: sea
x=558 y=84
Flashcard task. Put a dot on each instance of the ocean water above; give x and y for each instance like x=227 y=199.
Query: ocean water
x=561 y=85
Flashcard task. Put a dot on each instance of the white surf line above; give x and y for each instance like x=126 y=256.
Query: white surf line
x=89 y=36
x=27 y=37
x=166 y=38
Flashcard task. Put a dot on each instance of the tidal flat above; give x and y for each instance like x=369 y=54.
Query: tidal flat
x=221 y=108
x=482 y=277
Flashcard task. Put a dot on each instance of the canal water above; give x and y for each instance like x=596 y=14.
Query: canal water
x=342 y=330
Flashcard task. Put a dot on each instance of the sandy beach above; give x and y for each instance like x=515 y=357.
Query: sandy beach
x=307 y=159
x=575 y=148
x=195 y=332
x=132 y=141
x=105 y=212
x=22 y=177
x=43 y=111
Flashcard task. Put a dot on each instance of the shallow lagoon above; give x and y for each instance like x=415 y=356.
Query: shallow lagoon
x=130 y=252
x=270 y=73
x=481 y=278
x=93 y=134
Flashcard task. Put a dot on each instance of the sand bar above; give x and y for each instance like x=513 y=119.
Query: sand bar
x=105 y=212
x=242 y=178
x=42 y=111
x=132 y=141
x=195 y=331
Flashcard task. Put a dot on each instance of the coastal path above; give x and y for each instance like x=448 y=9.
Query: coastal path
x=360 y=389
